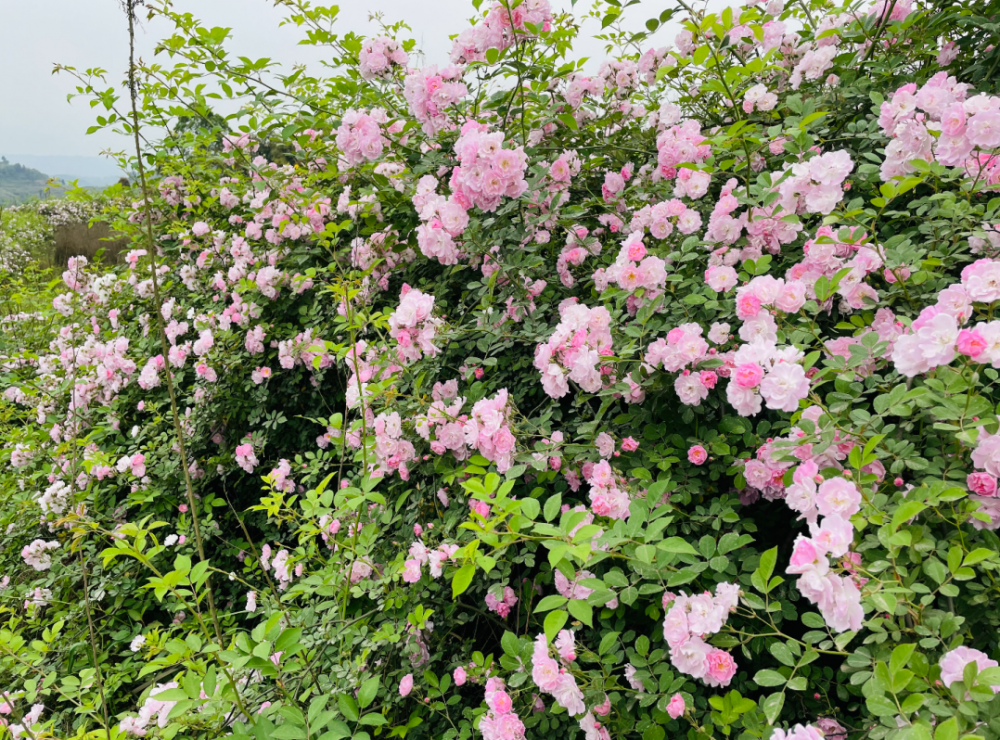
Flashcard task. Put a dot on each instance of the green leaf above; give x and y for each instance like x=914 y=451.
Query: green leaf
x=552 y=507
x=978 y=555
x=287 y=639
x=368 y=691
x=772 y=706
x=882 y=707
x=582 y=611
x=906 y=511
x=767 y=677
x=947 y=730
x=510 y=644
x=677 y=545
x=568 y=121
x=373 y=719
x=530 y=508
x=211 y=676
x=900 y=657
x=554 y=622
x=607 y=642
x=654 y=732
x=173 y=695
x=780 y=651
x=462 y=579
x=348 y=707
x=765 y=568
x=553 y=601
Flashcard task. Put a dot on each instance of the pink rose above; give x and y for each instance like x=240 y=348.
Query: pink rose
x=406 y=685
x=748 y=375
x=982 y=484
x=804 y=555
x=697 y=455
x=500 y=702
x=721 y=668
x=970 y=343
x=676 y=706
x=503 y=441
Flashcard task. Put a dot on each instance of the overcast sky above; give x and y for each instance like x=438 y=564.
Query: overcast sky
x=35 y=117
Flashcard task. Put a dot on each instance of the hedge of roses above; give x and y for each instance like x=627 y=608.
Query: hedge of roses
x=522 y=397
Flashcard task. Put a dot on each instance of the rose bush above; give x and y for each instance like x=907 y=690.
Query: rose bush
x=519 y=398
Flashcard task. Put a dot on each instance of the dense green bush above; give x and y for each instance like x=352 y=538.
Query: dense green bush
x=523 y=397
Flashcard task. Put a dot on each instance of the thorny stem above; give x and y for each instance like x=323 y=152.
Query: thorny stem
x=93 y=645
x=129 y=7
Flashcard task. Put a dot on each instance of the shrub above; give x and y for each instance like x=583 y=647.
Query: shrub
x=514 y=398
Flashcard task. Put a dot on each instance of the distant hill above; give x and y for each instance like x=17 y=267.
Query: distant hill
x=87 y=171
x=19 y=183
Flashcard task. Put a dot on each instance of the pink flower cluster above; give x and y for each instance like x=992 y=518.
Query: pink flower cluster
x=983 y=482
x=764 y=372
x=502 y=605
x=607 y=498
x=651 y=60
x=681 y=144
x=279 y=566
x=152 y=709
x=279 y=477
x=621 y=76
x=360 y=136
x=942 y=105
x=826 y=256
x=379 y=57
x=245 y=457
x=691 y=183
x=136 y=464
x=39 y=554
x=499 y=29
x=688 y=621
x=574 y=350
x=765 y=292
x=413 y=327
x=814 y=64
x=758 y=97
x=816 y=185
x=442 y=218
x=661 y=218
x=765 y=228
x=836 y=500
x=554 y=679
x=421 y=555
x=429 y=92
x=937 y=335
x=684 y=348
x=304 y=349
x=488 y=430
x=634 y=269
x=486 y=172
x=444 y=426
x=578 y=86
x=392 y=450
x=500 y=721
x=26 y=728
x=579 y=245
